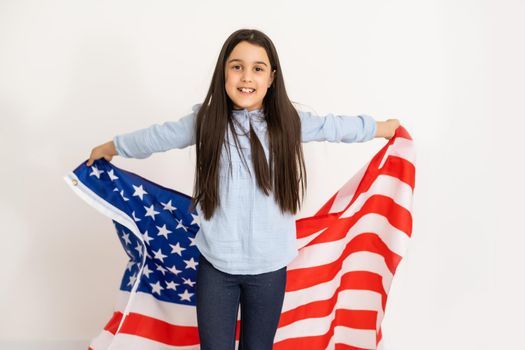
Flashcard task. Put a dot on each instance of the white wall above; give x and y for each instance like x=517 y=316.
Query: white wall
x=74 y=73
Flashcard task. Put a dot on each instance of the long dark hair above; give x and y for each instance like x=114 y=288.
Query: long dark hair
x=286 y=166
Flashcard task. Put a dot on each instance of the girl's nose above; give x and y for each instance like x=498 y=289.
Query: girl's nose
x=246 y=77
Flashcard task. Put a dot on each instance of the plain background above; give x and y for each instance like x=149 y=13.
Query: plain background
x=75 y=73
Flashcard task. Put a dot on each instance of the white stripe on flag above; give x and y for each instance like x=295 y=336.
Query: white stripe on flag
x=324 y=253
x=356 y=262
x=130 y=342
x=147 y=305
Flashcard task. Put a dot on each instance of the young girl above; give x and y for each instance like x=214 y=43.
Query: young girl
x=249 y=164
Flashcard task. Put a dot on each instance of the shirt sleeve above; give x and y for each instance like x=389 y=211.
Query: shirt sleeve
x=337 y=128
x=158 y=137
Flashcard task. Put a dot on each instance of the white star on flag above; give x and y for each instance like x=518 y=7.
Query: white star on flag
x=174 y=270
x=112 y=175
x=181 y=225
x=159 y=255
x=196 y=220
x=163 y=231
x=161 y=269
x=132 y=280
x=185 y=295
x=134 y=216
x=171 y=285
x=188 y=281
x=156 y=287
x=122 y=195
x=191 y=264
x=139 y=191
x=96 y=172
x=177 y=249
x=146 y=271
x=150 y=211
x=168 y=206
x=146 y=237
x=125 y=237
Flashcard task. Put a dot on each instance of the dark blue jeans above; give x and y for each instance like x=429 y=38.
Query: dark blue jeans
x=218 y=296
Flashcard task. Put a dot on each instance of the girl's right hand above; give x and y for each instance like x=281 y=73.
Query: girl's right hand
x=106 y=150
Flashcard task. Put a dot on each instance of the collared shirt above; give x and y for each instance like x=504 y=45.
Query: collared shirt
x=247 y=233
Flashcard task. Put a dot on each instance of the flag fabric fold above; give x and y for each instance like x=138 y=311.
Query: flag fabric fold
x=337 y=287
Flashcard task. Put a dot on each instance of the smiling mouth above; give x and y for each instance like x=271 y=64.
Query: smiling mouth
x=246 y=91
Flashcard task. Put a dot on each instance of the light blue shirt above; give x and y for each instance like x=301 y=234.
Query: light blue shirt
x=247 y=234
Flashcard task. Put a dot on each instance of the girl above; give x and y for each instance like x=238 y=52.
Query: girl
x=247 y=204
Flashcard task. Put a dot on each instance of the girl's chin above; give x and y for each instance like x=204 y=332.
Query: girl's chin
x=242 y=96
x=244 y=103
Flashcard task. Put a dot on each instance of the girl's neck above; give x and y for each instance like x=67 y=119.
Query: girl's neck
x=249 y=110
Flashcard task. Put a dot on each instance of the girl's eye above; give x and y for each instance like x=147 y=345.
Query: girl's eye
x=258 y=69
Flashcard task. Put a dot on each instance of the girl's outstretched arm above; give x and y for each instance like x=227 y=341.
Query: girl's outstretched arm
x=337 y=128
x=155 y=138
x=344 y=128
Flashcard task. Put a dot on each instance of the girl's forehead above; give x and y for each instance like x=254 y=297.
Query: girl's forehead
x=248 y=53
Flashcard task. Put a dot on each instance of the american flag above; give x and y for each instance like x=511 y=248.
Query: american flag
x=336 y=289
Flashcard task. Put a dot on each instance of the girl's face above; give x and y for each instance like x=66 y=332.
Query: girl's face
x=248 y=66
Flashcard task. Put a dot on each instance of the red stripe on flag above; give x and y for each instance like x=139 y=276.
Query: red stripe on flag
x=308 y=226
x=158 y=330
x=113 y=323
x=308 y=277
x=397 y=216
x=345 y=318
x=356 y=280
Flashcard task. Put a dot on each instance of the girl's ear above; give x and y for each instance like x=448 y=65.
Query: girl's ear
x=272 y=76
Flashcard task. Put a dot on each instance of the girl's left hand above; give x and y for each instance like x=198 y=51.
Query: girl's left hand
x=387 y=129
